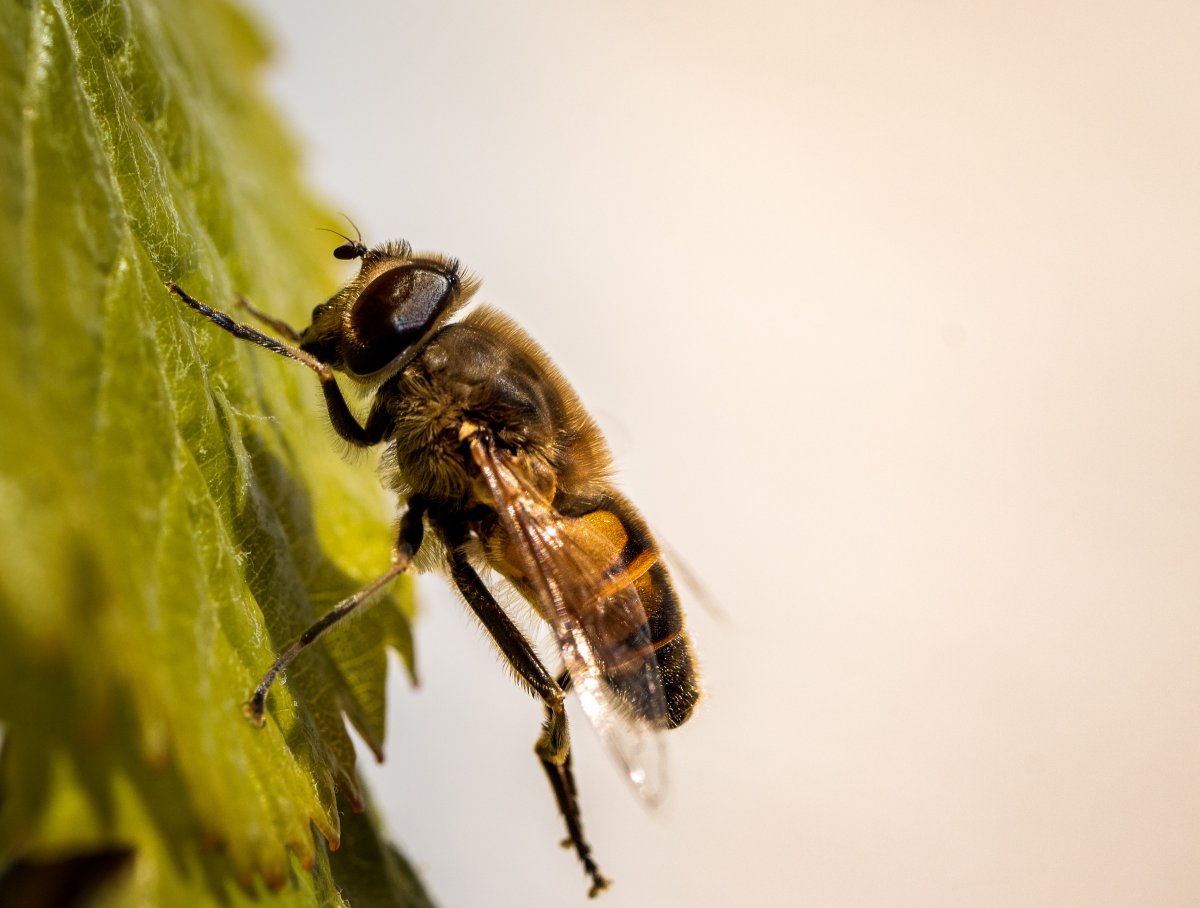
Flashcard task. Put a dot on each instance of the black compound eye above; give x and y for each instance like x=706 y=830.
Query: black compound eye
x=395 y=311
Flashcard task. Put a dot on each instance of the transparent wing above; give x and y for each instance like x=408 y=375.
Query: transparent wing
x=597 y=618
x=683 y=571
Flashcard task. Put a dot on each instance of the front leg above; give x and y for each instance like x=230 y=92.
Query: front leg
x=278 y=325
x=345 y=423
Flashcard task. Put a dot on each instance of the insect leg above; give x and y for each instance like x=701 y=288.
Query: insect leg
x=344 y=421
x=279 y=326
x=553 y=746
x=412 y=529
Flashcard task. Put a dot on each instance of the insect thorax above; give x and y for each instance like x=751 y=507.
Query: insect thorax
x=470 y=375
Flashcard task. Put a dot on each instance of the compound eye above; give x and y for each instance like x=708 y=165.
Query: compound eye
x=395 y=311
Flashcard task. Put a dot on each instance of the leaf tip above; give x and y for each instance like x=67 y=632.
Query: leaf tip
x=308 y=861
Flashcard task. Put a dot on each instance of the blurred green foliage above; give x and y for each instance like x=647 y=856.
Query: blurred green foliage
x=171 y=508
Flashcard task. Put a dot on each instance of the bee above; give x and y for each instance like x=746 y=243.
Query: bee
x=499 y=467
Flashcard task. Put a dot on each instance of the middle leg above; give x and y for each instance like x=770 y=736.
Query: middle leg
x=412 y=530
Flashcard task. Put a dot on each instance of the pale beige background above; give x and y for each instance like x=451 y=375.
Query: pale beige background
x=892 y=311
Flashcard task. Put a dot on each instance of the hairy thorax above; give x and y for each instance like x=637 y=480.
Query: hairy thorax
x=483 y=372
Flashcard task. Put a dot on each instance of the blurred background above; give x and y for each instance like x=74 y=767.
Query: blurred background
x=892 y=315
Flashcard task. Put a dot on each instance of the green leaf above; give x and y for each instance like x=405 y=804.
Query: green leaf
x=172 y=511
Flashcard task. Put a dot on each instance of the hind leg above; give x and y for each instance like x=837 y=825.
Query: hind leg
x=553 y=747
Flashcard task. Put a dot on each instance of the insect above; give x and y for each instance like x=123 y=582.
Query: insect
x=499 y=468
